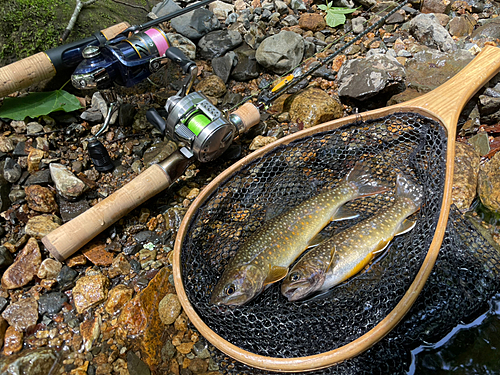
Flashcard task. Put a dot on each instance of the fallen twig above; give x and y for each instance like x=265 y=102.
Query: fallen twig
x=72 y=21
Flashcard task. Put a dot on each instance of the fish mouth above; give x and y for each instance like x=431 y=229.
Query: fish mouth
x=297 y=291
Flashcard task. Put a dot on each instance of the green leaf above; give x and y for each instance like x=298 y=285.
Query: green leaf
x=38 y=104
x=343 y=10
x=322 y=7
x=334 y=19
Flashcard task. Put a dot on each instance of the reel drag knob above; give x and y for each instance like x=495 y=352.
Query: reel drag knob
x=99 y=155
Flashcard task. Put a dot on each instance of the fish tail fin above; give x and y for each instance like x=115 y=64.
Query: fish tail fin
x=362 y=177
x=406 y=188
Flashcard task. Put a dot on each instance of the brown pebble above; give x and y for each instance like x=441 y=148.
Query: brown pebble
x=97 y=254
x=40 y=199
x=13 y=341
x=24 y=268
x=185 y=347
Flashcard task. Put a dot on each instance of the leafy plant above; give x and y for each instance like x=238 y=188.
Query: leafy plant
x=335 y=16
x=38 y=104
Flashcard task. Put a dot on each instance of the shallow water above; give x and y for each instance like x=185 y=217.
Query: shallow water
x=469 y=349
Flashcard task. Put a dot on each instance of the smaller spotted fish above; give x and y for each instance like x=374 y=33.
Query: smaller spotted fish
x=348 y=252
x=265 y=256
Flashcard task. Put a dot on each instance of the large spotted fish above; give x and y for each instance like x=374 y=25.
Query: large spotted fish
x=265 y=256
x=346 y=253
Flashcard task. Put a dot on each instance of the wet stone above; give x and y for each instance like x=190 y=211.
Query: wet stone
x=481 y=143
x=41 y=225
x=217 y=43
x=260 y=141
x=5 y=257
x=135 y=365
x=212 y=86
x=119 y=266
x=39 y=178
x=3 y=304
x=158 y=152
x=40 y=199
x=22 y=314
x=49 y=269
x=489 y=107
x=89 y=291
x=51 y=303
x=465 y=176
x=489 y=183
x=24 y=268
x=69 y=210
x=13 y=341
x=30 y=362
x=3 y=328
x=169 y=309
x=66 y=276
x=313 y=107
x=90 y=331
x=117 y=298
x=97 y=254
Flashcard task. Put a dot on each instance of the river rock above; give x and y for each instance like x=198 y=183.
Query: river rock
x=490 y=30
x=489 y=108
x=67 y=184
x=119 y=266
x=3 y=328
x=312 y=21
x=41 y=225
x=35 y=156
x=281 y=52
x=429 y=69
x=90 y=331
x=169 y=309
x=140 y=317
x=117 y=298
x=217 y=43
x=6 y=144
x=71 y=209
x=89 y=291
x=66 y=276
x=435 y=6
x=212 y=86
x=260 y=141
x=29 y=362
x=465 y=176
x=13 y=342
x=24 y=268
x=33 y=128
x=40 y=199
x=135 y=366
x=51 y=303
x=246 y=67
x=158 y=152
x=39 y=178
x=22 y=314
x=428 y=31
x=49 y=269
x=97 y=254
x=489 y=183
x=314 y=106
x=183 y=43
x=11 y=171
x=223 y=65
x=5 y=257
x=195 y=24
x=221 y=9
x=378 y=74
x=461 y=26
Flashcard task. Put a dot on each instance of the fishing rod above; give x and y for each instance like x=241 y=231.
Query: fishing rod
x=190 y=118
x=44 y=65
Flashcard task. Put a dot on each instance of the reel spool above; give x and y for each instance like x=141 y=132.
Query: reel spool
x=126 y=61
x=197 y=123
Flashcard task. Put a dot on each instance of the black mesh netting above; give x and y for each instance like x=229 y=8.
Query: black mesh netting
x=270 y=325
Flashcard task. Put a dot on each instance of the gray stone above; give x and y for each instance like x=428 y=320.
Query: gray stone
x=290 y=20
x=378 y=74
x=489 y=108
x=280 y=7
x=223 y=65
x=281 y=52
x=489 y=31
x=163 y=8
x=69 y=210
x=217 y=43
x=428 y=31
x=5 y=257
x=66 y=276
x=135 y=365
x=22 y=314
x=29 y=362
x=20 y=149
x=183 y=43
x=39 y=178
x=67 y=184
x=358 y=25
x=297 y=5
x=11 y=170
x=195 y=24
x=51 y=303
x=255 y=35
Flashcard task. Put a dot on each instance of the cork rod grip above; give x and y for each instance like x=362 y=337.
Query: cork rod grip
x=114 y=30
x=25 y=72
x=249 y=115
x=71 y=236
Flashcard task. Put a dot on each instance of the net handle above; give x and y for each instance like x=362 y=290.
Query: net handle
x=443 y=104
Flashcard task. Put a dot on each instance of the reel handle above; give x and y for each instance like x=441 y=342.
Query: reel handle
x=44 y=65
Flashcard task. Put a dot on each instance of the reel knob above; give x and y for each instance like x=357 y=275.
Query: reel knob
x=99 y=155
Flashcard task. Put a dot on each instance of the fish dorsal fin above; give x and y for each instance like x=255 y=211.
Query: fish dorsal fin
x=276 y=273
x=316 y=240
x=344 y=213
x=333 y=256
x=405 y=227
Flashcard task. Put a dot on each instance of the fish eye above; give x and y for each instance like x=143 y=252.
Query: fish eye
x=230 y=289
x=294 y=276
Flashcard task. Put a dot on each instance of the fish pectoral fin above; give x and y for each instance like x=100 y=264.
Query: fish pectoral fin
x=344 y=213
x=316 y=240
x=405 y=227
x=333 y=257
x=382 y=245
x=276 y=273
